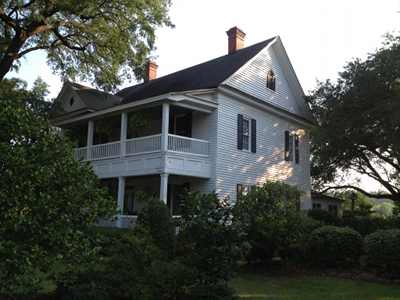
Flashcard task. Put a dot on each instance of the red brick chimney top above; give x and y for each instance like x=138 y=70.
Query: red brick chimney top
x=151 y=70
x=235 y=39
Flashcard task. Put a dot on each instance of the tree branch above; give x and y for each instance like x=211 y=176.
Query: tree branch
x=375 y=174
x=6 y=19
x=371 y=195
x=65 y=42
x=26 y=51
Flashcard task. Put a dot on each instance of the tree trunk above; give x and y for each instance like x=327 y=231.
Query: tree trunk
x=11 y=54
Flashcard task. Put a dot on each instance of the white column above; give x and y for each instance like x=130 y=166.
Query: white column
x=164 y=187
x=120 y=199
x=124 y=130
x=89 y=141
x=165 y=127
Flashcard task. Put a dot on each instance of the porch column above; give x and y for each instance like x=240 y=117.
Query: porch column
x=120 y=199
x=89 y=141
x=124 y=129
x=164 y=187
x=165 y=127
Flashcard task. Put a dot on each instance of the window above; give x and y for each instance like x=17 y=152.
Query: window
x=316 y=205
x=333 y=209
x=271 y=80
x=71 y=101
x=247 y=134
x=244 y=189
x=129 y=203
x=176 y=197
x=292 y=144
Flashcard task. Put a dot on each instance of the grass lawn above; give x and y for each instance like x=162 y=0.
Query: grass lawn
x=260 y=286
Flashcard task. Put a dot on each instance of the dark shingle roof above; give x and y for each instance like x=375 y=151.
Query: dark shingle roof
x=95 y=99
x=203 y=76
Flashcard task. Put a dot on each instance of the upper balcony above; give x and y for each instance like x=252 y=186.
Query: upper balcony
x=154 y=140
x=143 y=145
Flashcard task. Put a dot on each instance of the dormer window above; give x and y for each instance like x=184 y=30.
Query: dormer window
x=271 y=79
x=71 y=101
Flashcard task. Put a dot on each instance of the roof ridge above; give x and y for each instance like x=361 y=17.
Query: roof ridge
x=266 y=42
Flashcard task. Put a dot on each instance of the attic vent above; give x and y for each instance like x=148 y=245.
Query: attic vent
x=71 y=101
x=271 y=80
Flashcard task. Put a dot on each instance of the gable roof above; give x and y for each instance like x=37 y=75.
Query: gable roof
x=94 y=99
x=91 y=98
x=206 y=75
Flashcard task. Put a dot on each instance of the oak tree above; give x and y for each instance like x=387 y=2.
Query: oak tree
x=102 y=41
x=358 y=129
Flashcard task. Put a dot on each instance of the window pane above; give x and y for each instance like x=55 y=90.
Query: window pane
x=246 y=127
x=246 y=142
x=246 y=134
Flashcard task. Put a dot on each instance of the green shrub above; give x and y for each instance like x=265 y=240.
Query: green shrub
x=149 y=263
x=269 y=216
x=383 y=251
x=121 y=271
x=209 y=244
x=48 y=200
x=331 y=246
x=365 y=224
x=324 y=216
x=296 y=250
x=155 y=221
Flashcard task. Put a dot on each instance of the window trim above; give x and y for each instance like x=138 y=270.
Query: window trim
x=241 y=186
x=291 y=147
x=248 y=119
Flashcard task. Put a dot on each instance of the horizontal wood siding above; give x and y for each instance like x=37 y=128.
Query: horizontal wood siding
x=205 y=127
x=235 y=166
x=252 y=79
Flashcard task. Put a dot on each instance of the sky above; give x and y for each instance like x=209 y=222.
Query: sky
x=319 y=36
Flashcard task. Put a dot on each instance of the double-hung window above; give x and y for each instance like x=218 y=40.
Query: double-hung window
x=246 y=134
x=292 y=147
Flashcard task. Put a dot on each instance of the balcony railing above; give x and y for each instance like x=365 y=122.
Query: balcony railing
x=146 y=144
x=141 y=145
x=108 y=150
x=188 y=145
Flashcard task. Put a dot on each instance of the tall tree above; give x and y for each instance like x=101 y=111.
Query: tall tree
x=48 y=200
x=103 y=41
x=359 y=124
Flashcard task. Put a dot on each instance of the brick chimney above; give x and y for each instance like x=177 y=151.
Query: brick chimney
x=151 y=71
x=235 y=39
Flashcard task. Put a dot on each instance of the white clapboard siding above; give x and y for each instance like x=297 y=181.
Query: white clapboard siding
x=235 y=166
x=251 y=79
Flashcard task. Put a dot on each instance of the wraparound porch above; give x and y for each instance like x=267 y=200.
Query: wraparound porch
x=131 y=193
x=153 y=140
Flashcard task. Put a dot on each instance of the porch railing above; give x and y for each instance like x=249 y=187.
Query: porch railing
x=81 y=153
x=147 y=144
x=179 y=143
x=144 y=144
x=108 y=150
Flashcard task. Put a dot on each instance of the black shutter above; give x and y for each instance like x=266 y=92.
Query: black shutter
x=239 y=191
x=296 y=149
x=240 y=132
x=286 y=145
x=253 y=135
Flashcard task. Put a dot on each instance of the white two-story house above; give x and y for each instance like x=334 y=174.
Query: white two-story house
x=221 y=126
